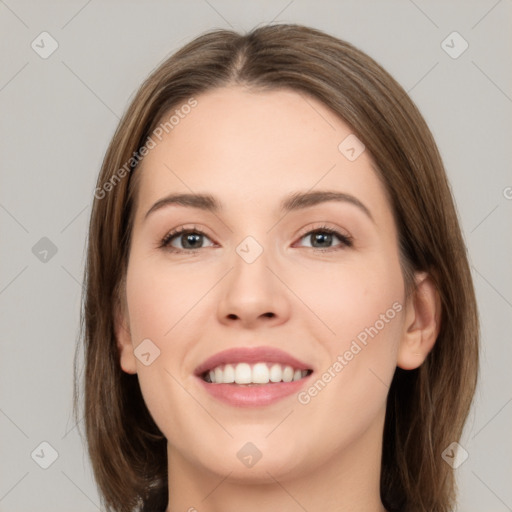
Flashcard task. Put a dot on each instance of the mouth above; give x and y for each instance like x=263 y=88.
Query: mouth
x=258 y=374
x=252 y=366
x=253 y=376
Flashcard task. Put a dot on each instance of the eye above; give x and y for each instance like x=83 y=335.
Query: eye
x=184 y=240
x=190 y=240
x=322 y=239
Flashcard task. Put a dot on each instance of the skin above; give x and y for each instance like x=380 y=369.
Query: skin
x=250 y=150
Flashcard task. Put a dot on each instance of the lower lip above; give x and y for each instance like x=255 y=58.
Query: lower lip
x=254 y=395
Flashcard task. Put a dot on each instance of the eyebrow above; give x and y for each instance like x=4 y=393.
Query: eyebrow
x=293 y=202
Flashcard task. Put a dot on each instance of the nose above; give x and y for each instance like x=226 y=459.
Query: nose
x=252 y=295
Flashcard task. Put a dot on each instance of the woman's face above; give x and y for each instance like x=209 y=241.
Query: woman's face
x=252 y=275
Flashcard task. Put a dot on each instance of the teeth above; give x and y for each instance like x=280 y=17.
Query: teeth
x=259 y=373
x=228 y=375
x=288 y=374
x=242 y=374
x=276 y=373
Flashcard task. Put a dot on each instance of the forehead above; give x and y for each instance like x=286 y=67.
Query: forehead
x=237 y=122
x=248 y=146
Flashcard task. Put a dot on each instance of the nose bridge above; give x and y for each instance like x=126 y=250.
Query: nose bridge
x=251 y=290
x=250 y=276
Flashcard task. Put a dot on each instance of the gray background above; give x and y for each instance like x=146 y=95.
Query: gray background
x=58 y=115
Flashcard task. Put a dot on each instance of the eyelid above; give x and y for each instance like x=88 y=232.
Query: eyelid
x=323 y=226
x=164 y=243
x=343 y=236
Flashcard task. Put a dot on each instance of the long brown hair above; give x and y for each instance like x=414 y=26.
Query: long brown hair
x=426 y=407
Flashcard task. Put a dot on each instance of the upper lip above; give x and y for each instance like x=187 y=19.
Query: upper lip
x=251 y=355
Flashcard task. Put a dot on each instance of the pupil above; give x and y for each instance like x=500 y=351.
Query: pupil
x=323 y=237
x=190 y=238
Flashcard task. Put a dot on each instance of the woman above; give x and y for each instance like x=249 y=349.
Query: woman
x=279 y=312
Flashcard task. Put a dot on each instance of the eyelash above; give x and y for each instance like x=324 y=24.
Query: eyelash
x=346 y=240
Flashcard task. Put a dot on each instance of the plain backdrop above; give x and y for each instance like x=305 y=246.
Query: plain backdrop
x=58 y=113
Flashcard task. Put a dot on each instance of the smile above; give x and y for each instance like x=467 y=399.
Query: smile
x=252 y=376
x=259 y=373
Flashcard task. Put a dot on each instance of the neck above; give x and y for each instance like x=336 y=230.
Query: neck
x=348 y=481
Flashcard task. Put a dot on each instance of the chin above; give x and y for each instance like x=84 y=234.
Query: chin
x=255 y=459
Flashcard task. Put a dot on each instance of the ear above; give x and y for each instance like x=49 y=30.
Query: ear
x=422 y=323
x=123 y=335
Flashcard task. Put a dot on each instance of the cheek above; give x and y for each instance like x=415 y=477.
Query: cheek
x=160 y=303
x=165 y=305
x=363 y=304
x=349 y=299
x=351 y=389
x=161 y=297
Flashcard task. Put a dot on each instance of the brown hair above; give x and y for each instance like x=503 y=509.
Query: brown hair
x=426 y=407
